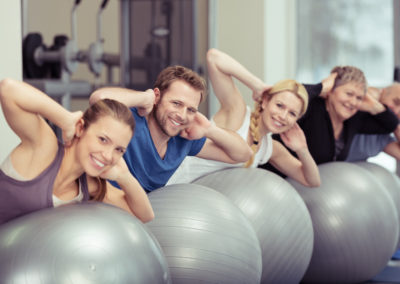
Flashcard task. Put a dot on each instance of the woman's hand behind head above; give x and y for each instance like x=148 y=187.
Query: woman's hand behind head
x=69 y=129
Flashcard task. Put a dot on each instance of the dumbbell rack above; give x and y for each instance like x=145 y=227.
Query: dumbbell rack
x=50 y=68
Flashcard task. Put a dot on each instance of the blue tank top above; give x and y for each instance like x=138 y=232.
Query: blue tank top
x=21 y=197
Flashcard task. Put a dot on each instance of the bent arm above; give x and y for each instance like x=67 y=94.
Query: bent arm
x=225 y=146
x=381 y=123
x=24 y=106
x=132 y=197
x=304 y=169
x=393 y=149
x=222 y=68
x=131 y=98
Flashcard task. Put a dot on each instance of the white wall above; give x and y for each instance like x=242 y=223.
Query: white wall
x=11 y=62
x=259 y=34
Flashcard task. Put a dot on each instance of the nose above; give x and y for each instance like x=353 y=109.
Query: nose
x=182 y=114
x=283 y=114
x=354 y=101
x=108 y=154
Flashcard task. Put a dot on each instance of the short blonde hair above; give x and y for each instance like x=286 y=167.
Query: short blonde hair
x=347 y=74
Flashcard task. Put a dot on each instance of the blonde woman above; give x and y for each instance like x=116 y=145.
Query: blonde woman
x=340 y=108
x=276 y=111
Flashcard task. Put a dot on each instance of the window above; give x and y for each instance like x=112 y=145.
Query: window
x=342 y=32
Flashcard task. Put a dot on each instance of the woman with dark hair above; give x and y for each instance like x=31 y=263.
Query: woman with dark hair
x=42 y=172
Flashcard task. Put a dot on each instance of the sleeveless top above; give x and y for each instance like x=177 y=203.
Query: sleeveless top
x=19 y=197
x=193 y=168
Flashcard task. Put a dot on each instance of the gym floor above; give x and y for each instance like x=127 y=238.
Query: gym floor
x=391 y=274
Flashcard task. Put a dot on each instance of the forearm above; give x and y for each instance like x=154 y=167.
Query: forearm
x=309 y=168
x=230 y=143
x=229 y=66
x=382 y=122
x=393 y=149
x=136 y=198
x=130 y=98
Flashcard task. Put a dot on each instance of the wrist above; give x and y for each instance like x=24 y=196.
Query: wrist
x=377 y=108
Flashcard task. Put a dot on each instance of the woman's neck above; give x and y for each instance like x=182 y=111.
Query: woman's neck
x=337 y=122
x=70 y=170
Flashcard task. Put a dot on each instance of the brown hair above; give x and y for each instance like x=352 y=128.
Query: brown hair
x=116 y=110
x=281 y=86
x=173 y=73
x=346 y=74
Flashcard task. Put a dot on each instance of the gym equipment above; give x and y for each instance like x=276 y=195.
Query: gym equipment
x=88 y=242
x=204 y=236
x=389 y=180
x=278 y=215
x=64 y=54
x=355 y=225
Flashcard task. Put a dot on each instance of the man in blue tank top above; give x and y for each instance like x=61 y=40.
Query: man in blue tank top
x=169 y=127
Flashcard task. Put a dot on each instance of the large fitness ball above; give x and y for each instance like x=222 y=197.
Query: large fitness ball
x=278 y=215
x=353 y=219
x=80 y=243
x=389 y=180
x=204 y=236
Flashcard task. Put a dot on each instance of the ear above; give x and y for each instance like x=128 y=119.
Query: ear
x=264 y=102
x=157 y=95
x=79 y=128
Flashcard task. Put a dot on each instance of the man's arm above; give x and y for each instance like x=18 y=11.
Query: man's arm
x=393 y=148
x=221 y=145
x=144 y=101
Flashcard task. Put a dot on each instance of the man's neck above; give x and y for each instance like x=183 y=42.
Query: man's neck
x=160 y=139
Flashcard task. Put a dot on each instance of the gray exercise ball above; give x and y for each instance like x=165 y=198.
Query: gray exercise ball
x=80 y=243
x=353 y=220
x=278 y=215
x=204 y=236
x=389 y=180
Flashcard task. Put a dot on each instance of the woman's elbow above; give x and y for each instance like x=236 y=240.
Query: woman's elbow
x=147 y=217
x=4 y=86
x=96 y=96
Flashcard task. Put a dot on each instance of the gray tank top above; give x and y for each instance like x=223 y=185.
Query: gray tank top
x=21 y=197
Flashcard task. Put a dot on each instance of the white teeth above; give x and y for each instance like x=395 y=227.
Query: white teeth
x=277 y=123
x=100 y=164
x=175 y=123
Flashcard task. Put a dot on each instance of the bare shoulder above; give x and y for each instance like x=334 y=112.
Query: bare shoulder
x=30 y=161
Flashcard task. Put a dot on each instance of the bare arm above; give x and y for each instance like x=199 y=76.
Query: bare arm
x=144 y=101
x=393 y=148
x=132 y=197
x=304 y=169
x=221 y=144
x=222 y=68
x=24 y=106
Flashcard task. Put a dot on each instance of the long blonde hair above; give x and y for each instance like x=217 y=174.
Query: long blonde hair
x=282 y=86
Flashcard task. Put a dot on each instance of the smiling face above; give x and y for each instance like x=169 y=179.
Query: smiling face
x=176 y=108
x=102 y=144
x=281 y=111
x=345 y=100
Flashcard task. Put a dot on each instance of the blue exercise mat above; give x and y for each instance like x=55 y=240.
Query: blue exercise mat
x=396 y=256
x=391 y=273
